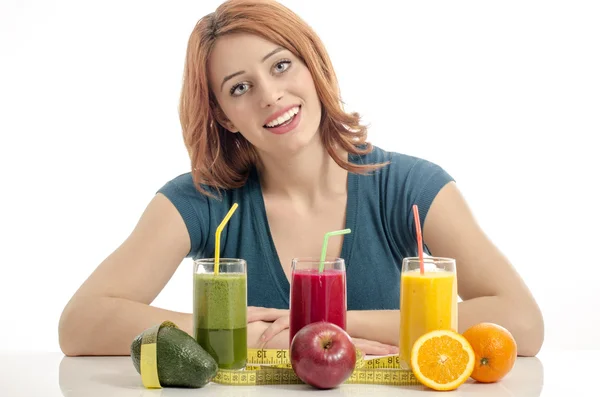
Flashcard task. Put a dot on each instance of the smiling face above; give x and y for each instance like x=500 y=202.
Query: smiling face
x=265 y=92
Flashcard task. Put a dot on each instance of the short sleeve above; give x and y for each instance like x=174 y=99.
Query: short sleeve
x=192 y=206
x=412 y=181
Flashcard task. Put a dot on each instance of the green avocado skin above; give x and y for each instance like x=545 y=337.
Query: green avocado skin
x=181 y=361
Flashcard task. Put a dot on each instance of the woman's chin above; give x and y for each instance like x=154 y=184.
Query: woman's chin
x=293 y=144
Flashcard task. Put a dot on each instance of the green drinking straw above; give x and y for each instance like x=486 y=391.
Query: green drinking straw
x=325 y=240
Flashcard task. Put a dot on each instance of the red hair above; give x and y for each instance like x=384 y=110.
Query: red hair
x=223 y=160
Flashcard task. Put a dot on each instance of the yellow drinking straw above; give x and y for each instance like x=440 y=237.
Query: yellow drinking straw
x=218 y=236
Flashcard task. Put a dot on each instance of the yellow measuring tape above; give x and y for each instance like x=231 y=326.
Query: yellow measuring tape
x=273 y=367
x=148 y=367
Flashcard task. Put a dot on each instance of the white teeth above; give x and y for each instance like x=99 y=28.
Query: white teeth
x=284 y=117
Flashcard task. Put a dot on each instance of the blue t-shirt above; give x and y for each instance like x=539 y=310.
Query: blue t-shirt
x=379 y=213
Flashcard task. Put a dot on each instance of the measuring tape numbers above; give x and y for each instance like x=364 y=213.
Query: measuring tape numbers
x=272 y=367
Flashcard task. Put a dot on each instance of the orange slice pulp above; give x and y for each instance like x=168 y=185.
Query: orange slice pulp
x=442 y=360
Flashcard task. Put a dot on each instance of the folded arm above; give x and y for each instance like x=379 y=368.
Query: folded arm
x=113 y=305
x=490 y=287
x=272 y=328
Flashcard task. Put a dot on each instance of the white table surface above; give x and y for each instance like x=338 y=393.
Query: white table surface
x=54 y=375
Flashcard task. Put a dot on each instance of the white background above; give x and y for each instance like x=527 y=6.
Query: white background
x=504 y=95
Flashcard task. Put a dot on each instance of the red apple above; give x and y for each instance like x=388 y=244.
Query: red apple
x=322 y=355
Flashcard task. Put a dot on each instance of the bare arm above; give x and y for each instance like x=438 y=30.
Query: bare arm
x=378 y=325
x=113 y=304
x=490 y=287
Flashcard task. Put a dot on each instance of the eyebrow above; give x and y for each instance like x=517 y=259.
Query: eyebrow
x=270 y=54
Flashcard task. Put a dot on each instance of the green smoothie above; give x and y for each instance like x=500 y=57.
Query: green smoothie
x=220 y=317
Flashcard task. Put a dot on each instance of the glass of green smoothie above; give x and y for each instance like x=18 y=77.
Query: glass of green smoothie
x=220 y=310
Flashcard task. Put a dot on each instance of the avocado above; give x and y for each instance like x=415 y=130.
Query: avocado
x=181 y=361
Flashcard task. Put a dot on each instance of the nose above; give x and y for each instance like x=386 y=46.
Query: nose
x=271 y=93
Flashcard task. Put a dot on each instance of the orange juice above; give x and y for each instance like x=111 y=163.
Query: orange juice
x=427 y=302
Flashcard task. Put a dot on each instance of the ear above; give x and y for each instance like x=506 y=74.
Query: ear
x=224 y=121
x=229 y=126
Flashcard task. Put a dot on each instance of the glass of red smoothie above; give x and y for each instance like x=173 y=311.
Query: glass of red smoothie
x=317 y=295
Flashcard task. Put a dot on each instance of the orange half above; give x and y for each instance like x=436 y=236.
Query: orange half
x=442 y=360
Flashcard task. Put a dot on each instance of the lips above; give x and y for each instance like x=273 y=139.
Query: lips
x=281 y=116
x=288 y=123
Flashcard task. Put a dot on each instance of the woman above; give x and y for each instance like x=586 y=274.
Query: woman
x=263 y=123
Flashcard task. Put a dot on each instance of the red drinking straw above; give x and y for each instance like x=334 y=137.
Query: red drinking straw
x=419 y=237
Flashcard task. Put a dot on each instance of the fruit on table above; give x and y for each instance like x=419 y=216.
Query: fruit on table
x=495 y=351
x=322 y=355
x=442 y=359
x=181 y=361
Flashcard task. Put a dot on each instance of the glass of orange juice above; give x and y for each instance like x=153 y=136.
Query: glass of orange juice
x=428 y=301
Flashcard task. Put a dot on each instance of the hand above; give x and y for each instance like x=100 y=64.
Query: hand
x=374 y=348
x=268 y=314
x=257 y=328
x=279 y=320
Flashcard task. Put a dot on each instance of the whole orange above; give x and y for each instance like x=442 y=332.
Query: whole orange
x=495 y=351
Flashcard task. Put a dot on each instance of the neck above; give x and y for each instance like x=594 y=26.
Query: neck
x=307 y=175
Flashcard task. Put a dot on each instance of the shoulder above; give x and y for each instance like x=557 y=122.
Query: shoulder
x=197 y=209
x=181 y=185
x=186 y=194
x=200 y=212
x=393 y=189
x=402 y=168
x=190 y=204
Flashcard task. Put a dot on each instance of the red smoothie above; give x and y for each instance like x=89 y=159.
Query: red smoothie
x=317 y=297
